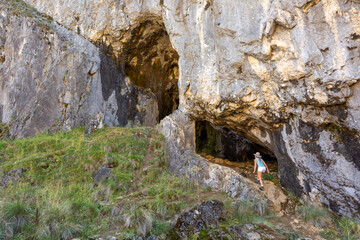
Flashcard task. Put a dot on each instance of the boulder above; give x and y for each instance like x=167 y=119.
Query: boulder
x=102 y=174
x=253 y=236
x=197 y=219
x=12 y=177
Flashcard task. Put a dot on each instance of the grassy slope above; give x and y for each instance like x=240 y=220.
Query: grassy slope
x=57 y=198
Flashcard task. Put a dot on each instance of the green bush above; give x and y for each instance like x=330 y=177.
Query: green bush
x=15 y=217
x=349 y=228
x=139 y=219
x=250 y=211
x=314 y=214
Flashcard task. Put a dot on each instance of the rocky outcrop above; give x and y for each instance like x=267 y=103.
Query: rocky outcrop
x=133 y=33
x=102 y=174
x=12 y=177
x=53 y=79
x=204 y=222
x=283 y=74
x=195 y=220
x=179 y=134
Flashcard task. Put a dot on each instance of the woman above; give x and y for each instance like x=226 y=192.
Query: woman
x=261 y=166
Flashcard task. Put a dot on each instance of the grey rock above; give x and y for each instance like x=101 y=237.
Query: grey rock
x=179 y=132
x=198 y=219
x=253 y=236
x=97 y=122
x=135 y=238
x=249 y=226
x=236 y=232
x=152 y=237
x=12 y=177
x=111 y=238
x=102 y=174
x=53 y=79
x=211 y=212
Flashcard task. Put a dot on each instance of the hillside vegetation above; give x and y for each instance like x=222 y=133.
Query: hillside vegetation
x=56 y=196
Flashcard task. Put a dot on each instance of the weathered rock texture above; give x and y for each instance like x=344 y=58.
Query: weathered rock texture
x=54 y=79
x=132 y=32
x=284 y=74
x=179 y=133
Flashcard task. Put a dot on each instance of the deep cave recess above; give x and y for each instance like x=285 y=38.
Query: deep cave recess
x=152 y=64
x=221 y=145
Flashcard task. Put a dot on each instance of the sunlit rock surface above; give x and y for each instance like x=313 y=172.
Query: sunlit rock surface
x=53 y=79
x=283 y=74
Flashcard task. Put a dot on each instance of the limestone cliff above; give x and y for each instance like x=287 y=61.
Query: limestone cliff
x=53 y=79
x=283 y=74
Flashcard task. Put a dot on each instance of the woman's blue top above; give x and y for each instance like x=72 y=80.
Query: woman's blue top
x=259 y=162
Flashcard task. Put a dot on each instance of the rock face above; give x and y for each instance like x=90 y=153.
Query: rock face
x=134 y=34
x=53 y=79
x=283 y=74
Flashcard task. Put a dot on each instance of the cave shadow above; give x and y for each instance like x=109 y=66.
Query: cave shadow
x=226 y=147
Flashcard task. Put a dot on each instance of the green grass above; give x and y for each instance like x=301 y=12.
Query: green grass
x=272 y=177
x=315 y=215
x=256 y=211
x=20 y=8
x=4 y=131
x=60 y=200
x=349 y=229
x=57 y=198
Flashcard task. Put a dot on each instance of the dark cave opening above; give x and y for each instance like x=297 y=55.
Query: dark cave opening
x=152 y=64
x=220 y=142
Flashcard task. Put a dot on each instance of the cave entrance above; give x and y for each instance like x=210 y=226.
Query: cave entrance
x=152 y=64
x=226 y=147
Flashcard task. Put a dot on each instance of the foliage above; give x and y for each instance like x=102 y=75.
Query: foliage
x=139 y=219
x=349 y=229
x=20 y=8
x=255 y=211
x=4 y=131
x=271 y=177
x=314 y=214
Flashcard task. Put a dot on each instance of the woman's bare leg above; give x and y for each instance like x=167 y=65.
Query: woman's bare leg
x=259 y=175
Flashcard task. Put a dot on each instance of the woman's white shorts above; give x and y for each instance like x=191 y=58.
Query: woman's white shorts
x=261 y=169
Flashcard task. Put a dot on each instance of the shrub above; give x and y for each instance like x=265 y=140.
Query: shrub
x=139 y=219
x=349 y=229
x=14 y=218
x=250 y=211
x=314 y=214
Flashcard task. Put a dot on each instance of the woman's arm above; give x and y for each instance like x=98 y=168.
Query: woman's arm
x=267 y=169
x=254 y=165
